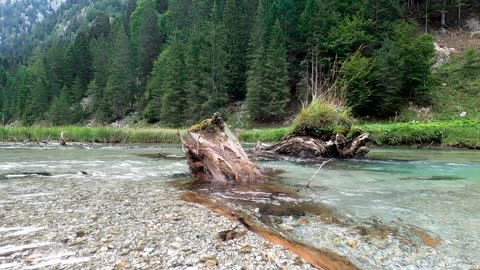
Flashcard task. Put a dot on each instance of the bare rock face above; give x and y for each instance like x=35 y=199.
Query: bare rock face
x=214 y=154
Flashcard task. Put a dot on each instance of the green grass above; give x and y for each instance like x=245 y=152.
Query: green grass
x=263 y=135
x=456 y=87
x=465 y=133
x=458 y=133
x=90 y=135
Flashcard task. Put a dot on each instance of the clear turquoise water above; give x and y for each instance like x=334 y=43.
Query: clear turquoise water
x=437 y=191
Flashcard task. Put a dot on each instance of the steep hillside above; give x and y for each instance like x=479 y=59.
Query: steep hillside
x=24 y=24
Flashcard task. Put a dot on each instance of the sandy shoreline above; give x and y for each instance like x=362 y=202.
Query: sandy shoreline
x=76 y=223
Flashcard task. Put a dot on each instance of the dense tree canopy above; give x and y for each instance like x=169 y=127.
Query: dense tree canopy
x=178 y=61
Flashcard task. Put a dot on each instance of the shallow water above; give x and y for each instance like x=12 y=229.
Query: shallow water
x=434 y=191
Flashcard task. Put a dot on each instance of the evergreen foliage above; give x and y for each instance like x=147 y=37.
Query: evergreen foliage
x=177 y=61
x=267 y=86
x=117 y=99
x=173 y=106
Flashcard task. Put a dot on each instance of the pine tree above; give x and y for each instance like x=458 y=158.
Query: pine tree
x=23 y=91
x=54 y=62
x=256 y=88
x=206 y=61
x=131 y=6
x=236 y=18
x=149 y=41
x=155 y=85
x=117 y=99
x=78 y=61
x=37 y=84
x=276 y=75
x=77 y=91
x=101 y=50
x=100 y=27
x=96 y=95
x=60 y=112
x=173 y=98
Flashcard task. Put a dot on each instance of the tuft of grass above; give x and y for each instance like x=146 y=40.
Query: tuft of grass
x=88 y=134
x=323 y=120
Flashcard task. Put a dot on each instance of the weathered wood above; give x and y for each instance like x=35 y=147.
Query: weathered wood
x=312 y=147
x=214 y=154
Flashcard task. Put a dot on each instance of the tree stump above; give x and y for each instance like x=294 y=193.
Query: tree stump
x=215 y=155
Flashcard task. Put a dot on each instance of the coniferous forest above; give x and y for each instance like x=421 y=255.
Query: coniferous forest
x=178 y=61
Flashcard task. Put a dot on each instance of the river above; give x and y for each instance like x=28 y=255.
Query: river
x=397 y=209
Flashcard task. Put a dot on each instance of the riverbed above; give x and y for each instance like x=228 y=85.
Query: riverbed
x=114 y=207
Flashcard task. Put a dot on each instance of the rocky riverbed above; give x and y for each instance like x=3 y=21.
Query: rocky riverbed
x=91 y=220
x=118 y=207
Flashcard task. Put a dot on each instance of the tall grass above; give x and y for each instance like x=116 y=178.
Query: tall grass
x=89 y=135
x=464 y=133
x=263 y=135
x=458 y=133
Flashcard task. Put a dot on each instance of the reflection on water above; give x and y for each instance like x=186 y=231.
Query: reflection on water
x=415 y=209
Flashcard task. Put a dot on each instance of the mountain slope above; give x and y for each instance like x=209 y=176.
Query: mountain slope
x=26 y=23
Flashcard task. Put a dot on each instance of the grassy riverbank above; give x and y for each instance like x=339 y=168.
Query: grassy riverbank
x=465 y=134
x=88 y=134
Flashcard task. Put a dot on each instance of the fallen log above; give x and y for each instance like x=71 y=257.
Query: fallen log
x=214 y=154
x=312 y=147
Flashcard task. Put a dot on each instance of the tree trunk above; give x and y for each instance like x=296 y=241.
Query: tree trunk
x=214 y=154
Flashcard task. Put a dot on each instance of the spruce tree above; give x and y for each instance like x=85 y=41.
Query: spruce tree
x=100 y=27
x=37 y=99
x=96 y=94
x=173 y=98
x=149 y=41
x=78 y=61
x=276 y=75
x=101 y=51
x=117 y=99
x=60 y=112
x=77 y=91
x=154 y=89
x=206 y=61
x=256 y=88
x=23 y=91
x=237 y=29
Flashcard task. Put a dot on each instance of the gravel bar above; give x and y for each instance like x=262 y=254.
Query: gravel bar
x=73 y=222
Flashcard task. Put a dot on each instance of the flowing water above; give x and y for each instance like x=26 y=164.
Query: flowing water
x=398 y=209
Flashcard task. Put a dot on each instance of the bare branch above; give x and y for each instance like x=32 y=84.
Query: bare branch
x=315 y=174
